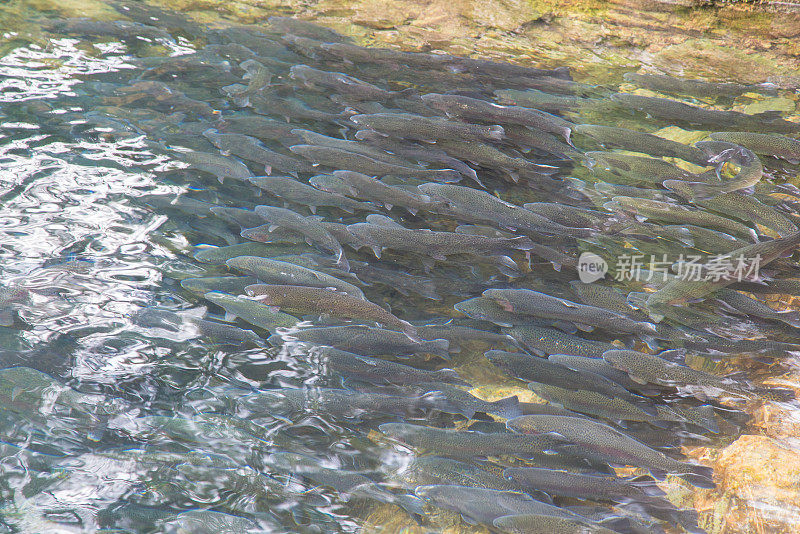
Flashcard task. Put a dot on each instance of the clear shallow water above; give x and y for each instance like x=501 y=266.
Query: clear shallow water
x=97 y=227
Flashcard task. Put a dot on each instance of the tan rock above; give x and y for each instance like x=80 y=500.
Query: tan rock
x=762 y=477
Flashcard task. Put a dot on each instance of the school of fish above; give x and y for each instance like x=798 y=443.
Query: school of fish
x=375 y=233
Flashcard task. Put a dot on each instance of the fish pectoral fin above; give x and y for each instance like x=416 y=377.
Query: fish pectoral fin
x=567 y=303
x=637 y=379
x=366 y=361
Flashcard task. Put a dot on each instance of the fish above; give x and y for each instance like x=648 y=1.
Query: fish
x=38 y=396
x=409 y=126
x=635 y=170
x=366 y=340
x=11 y=297
x=481 y=110
x=432 y=470
x=467 y=444
x=417 y=152
x=259 y=77
x=304 y=28
x=280 y=272
x=252 y=149
x=533 y=98
x=779 y=146
x=338 y=82
x=354 y=161
x=316 y=139
x=750 y=172
x=489 y=156
x=542 y=305
x=219 y=255
x=570 y=216
x=376 y=371
x=481 y=505
x=696 y=284
x=645 y=143
x=474 y=204
x=233 y=285
x=458 y=334
x=308 y=227
x=679 y=214
x=291 y=107
x=344 y=403
x=606 y=297
x=736 y=204
x=753 y=307
x=542 y=340
x=183 y=324
x=642 y=490
x=597 y=365
x=163 y=95
x=365 y=187
x=687 y=86
x=401 y=281
x=323 y=301
x=437 y=245
x=529 y=523
x=458 y=401
x=673 y=110
x=611 y=445
x=486 y=309
x=347 y=483
x=618 y=409
x=208 y=521
x=242 y=217
x=535 y=369
x=659 y=369
x=251 y=312
x=219 y=166
x=291 y=190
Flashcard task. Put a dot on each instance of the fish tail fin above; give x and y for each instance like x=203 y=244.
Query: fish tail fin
x=776 y=394
x=341 y=261
x=448 y=375
x=703 y=191
x=687 y=518
x=522 y=242
x=439 y=347
x=411 y=504
x=792 y=318
x=708 y=418
x=700 y=476
x=497 y=132
x=648 y=485
x=507 y=266
x=411 y=331
x=508 y=408
x=637 y=300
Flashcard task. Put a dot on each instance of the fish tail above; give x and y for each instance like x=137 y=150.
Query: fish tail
x=497 y=132
x=708 y=418
x=507 y=266
x=448 y=375
x=411 y=504
x=439 y=347
x=700 y=476
x=521 y=243
x=341 y=261
x=508 y=408
x=638 y=300
x=776 y=394
x=702 y=191
x=411 y=331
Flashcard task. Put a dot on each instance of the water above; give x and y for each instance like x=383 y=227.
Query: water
x=126 y=411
